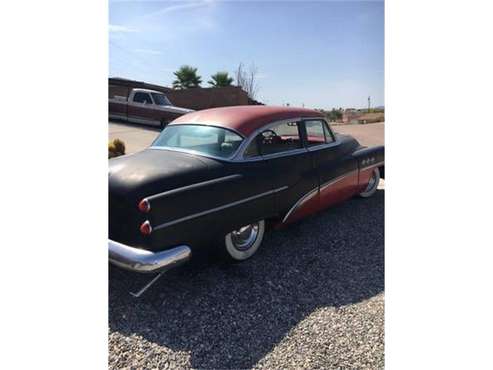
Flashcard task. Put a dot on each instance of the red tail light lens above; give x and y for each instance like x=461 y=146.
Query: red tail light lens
x=146 y=228
x=144 y=206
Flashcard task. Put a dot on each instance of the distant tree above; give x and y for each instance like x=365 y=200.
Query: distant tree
x=332 y=115
x=247 y=80
x=186 y=78
x=220 y=79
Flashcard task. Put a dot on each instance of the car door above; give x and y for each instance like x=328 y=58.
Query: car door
x=141 y=108
x=332 y=156
x=289 y=165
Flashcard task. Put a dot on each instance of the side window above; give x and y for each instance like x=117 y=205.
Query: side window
x=329 y=136
x=252 y=149
x=317 y=132
x=280 y=138
x=141 y=97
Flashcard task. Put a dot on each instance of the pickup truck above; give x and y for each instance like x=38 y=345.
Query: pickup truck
x=144 y=106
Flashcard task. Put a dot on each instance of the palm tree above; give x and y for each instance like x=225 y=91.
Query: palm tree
x=186 y=78
x=220 y=79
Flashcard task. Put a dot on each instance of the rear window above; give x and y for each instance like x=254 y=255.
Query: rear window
x=141 y=97
x=160 y=99
x=208 y=140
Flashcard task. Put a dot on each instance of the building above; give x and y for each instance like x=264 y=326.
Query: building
x=195 y=98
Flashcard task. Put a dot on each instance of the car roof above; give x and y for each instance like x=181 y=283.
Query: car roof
x=244 y=119
x=148 y=91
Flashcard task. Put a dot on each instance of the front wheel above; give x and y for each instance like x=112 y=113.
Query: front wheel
x=372 y=186
x=242 y=243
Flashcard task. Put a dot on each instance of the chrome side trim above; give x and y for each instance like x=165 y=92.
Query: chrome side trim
x=305 y=198
x=193 y=186
x=220 y=208
x=373 y=165
x=140 y=260
x=337 y=179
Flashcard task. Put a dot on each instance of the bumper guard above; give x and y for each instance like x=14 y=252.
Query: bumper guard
x=140 y=260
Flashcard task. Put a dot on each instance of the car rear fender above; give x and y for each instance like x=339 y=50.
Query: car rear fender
x=368 y=159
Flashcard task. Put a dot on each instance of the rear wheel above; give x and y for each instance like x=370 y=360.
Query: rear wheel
x=372 y=186
x=242 y=243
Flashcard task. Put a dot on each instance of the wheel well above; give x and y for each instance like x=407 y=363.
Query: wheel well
x=382 y=171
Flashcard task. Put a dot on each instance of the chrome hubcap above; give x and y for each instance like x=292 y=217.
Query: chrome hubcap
x=245 y=236
x=373 y=182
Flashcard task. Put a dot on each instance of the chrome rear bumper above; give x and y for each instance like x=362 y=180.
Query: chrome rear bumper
x=140 y=260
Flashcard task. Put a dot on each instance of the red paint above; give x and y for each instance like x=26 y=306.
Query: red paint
x=339 y=191
x=329 y=195
x=364 y=178
x=306 y=208
x=144 y=206
x=245 y=118
x=146 y=228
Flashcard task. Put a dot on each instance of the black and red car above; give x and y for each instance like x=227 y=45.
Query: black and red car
x=216 y=177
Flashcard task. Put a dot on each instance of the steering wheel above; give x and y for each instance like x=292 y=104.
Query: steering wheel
x=270 y=131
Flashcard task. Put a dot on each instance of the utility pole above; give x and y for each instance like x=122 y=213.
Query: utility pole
x=368 y=104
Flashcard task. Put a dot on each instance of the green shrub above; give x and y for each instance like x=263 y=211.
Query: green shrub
x=116 y=148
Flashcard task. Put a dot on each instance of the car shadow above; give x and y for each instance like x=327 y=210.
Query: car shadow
x=332 y=259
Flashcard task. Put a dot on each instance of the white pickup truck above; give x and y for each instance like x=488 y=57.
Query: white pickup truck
x=145 y=106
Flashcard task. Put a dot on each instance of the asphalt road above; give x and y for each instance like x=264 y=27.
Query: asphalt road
x=312 y=297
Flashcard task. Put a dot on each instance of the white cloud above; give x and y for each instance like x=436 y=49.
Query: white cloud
x=115 y=28
x=148 y=51
x=180 y=6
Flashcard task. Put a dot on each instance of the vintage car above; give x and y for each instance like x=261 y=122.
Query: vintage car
x=217 y=178
x=144 y=106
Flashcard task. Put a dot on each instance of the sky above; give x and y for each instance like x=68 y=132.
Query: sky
x=324 y=54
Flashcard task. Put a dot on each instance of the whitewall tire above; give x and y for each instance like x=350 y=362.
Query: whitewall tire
x=372 y=186
x=241 y=244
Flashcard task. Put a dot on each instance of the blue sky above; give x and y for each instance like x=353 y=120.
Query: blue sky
x=321 y=54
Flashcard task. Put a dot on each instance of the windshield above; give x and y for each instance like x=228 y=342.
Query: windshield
x=208 y=140
x=160 y=99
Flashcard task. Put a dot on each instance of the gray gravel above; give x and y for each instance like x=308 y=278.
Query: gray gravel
x=312 y=297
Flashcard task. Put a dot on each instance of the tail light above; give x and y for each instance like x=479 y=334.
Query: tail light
x=146 y=228
x=144 y=205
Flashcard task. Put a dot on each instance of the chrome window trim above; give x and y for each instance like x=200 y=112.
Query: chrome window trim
x=220 y=208
x=254 y=134
x=324 y=146
x=196 y=152
x=192 y=186
x=193 y=152
x=209 y=125
x=284 y=154
x=322 y=121
x=238 y=156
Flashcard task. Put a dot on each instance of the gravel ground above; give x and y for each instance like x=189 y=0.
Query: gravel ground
x=312 y=297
